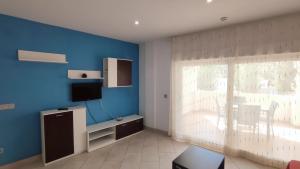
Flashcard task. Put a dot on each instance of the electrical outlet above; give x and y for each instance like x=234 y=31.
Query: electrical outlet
x=7 y=106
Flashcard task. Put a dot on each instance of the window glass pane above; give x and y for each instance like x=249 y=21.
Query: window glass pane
x=266 y=108
x=202 y=112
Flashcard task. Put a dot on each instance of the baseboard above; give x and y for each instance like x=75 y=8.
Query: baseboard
x=21 y=163
x=157 y=130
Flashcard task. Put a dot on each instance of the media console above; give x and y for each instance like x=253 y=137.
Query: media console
x=108 y=132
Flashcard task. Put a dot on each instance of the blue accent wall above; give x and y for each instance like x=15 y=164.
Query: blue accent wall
x=34 y=86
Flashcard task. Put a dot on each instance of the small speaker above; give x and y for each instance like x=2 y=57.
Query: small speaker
x=84 y=75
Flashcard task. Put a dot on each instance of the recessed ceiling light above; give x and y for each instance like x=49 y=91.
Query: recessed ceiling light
x=209 y=1
x=224 y=18
x=136 y=22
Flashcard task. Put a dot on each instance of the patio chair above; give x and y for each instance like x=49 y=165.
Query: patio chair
x=221 y=110
x=248 y=115
x=270 y=115
x=237 y=100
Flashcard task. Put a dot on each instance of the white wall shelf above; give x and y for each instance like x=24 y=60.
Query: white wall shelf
x=31 y=56
x=90 y=74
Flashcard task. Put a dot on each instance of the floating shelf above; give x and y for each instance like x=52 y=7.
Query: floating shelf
x=31 y=56
x=90 y=74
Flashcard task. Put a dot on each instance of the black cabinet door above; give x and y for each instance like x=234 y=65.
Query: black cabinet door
x=59 y=136
x=122 y=130
x=124 y=72
x=129 y=128
x=139 y=125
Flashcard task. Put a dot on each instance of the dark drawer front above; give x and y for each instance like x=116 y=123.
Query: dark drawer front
x=129 y=128
x=59 y=136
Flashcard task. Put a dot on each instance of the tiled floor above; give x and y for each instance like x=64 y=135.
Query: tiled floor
x=146 y=150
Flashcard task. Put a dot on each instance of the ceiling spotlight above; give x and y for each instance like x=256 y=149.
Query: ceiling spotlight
x=224 y=18
x=209 y=1
x=136 y=22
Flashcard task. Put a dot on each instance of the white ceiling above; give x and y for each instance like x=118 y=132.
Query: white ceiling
x=158 y=18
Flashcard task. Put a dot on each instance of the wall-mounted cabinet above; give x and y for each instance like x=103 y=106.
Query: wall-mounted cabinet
x=117 y=72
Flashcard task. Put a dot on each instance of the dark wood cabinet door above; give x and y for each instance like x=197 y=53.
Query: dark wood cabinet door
x=59 y=136
x=139 y=125
x=124 y=70
x=129 y=128
x=122 y=130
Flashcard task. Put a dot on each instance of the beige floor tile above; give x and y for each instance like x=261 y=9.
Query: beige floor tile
x=58 y=165
x=115 y=156
x=165 y=164
x=150 y=156
x=150 y=142
x=265 y=167
x=33 y=165
x=95 y=165
x=149 y=165
x=129 y=165
x=73 y=164
x=167 y=156
x=229 y=164
x=137 y=141
x=150 y=149
x=95 y=161
x=243 y=163
x=134 y=148
x=111 y=165
x=165 y=147
x=133 y=158
x=119 y=148
x=180 y=147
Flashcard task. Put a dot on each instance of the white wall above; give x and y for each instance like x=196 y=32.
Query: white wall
x=155 y=68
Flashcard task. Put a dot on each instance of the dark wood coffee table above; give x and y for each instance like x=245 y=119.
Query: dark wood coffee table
x=199 y=158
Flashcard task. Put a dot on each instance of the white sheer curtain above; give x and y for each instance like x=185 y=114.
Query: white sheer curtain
x=200 y=87
x=266 y=119
x=248 y=105
x=238 y=93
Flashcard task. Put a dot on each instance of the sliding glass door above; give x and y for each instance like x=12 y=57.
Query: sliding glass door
x=266 y=106
x=250 y=105
x=201 y=91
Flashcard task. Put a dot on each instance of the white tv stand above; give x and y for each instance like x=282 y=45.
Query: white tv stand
x=108 y=132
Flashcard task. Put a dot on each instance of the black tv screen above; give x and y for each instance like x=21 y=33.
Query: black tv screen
x=86 y=91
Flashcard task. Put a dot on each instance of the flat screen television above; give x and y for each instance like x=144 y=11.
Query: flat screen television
x=86 y=91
